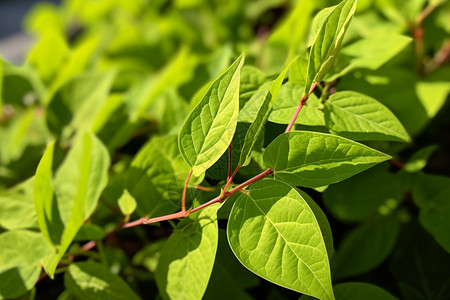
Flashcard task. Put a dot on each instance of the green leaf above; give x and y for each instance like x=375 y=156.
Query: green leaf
x=369 y=53
x=89 y=280
x=16 y=246
x=360 y=197
x=321 y=220
x=297 y=73
x=417 y=260
x=287 y=102
x=419 y=159
x=358 y=254
x=76 y=104
x=256 y=127
x=208 y=130
x=89 y=232
x=431 y=194
x=127 y=203
x=187 y=258
x=433 y=91
x=359 y=117
x=328 y=40
x=77 y=187
x=17 y=281
x=175 y=73
x=17 y=207
x=251 y=79
x=157 y=170
x=48 y=54
x=43 y=194
x=81 y=177
x=361 y=291
x=274 y=233
x=148 y=257
x=313 y=159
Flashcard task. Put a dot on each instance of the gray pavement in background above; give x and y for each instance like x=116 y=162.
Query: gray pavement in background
x=13 y=42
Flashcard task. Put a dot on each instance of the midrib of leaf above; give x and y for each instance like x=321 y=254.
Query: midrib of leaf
x=324 y=162
x=288 y=243
x=219 y=110
x=364 y=118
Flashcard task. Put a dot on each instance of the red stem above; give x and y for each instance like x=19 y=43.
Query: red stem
x=183 y=198
x=229 y=161
x=299 y=108
x=229 y=180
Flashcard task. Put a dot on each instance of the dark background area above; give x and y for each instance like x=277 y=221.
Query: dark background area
x=12 y=13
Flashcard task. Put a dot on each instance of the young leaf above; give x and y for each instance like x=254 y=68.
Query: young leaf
x=89 y=280
x=257 y=125
x=187 y=258
x=328 y=40
x=360 y=117
x=208 y=130
x=313 y=159
x=127 y=204
x=274 y=233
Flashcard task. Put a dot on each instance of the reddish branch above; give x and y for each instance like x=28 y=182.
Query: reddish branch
x=219 y=199
x=299 y=107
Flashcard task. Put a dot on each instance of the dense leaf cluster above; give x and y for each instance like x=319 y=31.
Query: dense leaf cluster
x=214 y=149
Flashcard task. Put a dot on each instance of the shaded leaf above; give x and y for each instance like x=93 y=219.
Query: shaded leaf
x=229 y=278
x=17 y=281
x=432 y=193
x=358 y=254
x=89 y=280
x=360 y=197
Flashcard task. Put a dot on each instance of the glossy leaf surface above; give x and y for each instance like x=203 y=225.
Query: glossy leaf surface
x=209 y=128
x=274 y=233
x=359 y=117
x=187 y=258
x=313 y=159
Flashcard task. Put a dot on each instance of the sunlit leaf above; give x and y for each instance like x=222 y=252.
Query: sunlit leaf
x=274 y=233
x=208 y=130
x=313 y=159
